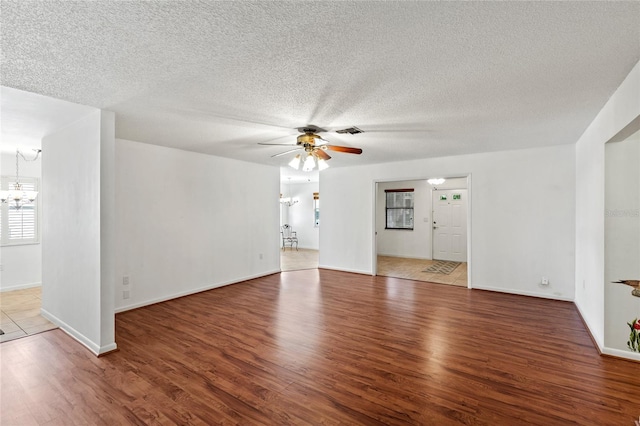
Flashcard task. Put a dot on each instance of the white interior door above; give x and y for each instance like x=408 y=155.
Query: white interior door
x=450 y=225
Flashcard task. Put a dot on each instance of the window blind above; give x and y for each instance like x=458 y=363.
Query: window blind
x=19 y=225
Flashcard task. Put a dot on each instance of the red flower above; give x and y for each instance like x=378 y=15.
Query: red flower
x=637 y=325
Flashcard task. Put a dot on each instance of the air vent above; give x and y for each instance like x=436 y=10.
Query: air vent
x=351 y=130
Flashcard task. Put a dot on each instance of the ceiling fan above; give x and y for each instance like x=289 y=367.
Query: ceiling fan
x=315 y=148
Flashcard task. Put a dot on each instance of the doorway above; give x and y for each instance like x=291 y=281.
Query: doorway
x=300 y=216
x=410 y=253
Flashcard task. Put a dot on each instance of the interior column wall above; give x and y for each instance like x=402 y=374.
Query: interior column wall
x=622 y=238
x=622 y=108
x=71 y=239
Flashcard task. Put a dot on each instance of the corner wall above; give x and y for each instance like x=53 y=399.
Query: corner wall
x=522 y=216
x=622 y=108
x=72 y=247
x=189 y=222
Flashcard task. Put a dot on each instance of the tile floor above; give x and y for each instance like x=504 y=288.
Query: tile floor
x=20 y=314
x=292 y=260
x=400 y=267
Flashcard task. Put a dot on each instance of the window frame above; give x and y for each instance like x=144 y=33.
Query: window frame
x=5 y=241
x=395 y=209
x=316 y=209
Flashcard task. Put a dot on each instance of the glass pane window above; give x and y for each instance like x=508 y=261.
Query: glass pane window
x=399 y=209
x=19 y=225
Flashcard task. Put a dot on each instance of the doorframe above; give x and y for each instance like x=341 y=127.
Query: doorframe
x=374 y=237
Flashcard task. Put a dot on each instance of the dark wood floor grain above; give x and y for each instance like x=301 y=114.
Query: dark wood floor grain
x=324 y=347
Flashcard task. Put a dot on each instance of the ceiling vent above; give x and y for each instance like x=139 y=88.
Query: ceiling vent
x=351 y=130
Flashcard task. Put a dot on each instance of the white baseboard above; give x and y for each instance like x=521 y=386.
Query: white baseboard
x=303 y=247
x=401 y=256
x=590 y=329
x=633 y=356
x=353 y=271
x=193 y=291
x=524 y=293
x=20 y=287
x=81 y=338
x=605 y=350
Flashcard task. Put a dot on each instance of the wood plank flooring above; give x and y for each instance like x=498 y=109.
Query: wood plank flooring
x=323 y=347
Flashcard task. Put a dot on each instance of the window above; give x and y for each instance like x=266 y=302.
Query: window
x=399 y=209
x=19 y=225
x=316 y=209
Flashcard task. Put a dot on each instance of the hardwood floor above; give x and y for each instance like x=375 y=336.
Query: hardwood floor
x=325 y=347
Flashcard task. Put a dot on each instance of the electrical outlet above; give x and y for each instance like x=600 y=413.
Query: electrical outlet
x=126 y=294
x=260 y=256
x=545 y=281
x=125 y=280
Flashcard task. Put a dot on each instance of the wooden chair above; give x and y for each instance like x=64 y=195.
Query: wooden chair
x=289 y=237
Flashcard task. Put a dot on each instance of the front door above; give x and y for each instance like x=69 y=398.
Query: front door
x=450 y=225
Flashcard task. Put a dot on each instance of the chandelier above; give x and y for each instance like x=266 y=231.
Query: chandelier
x=288 y=201
x=16 y=196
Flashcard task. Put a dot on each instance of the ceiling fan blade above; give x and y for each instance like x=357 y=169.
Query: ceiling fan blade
x=322 y=154
x=287 y=152
x=345 y=149
x=279 y=144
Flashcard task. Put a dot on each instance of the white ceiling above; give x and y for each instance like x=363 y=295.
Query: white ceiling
x=27 y=117
x=422 y=79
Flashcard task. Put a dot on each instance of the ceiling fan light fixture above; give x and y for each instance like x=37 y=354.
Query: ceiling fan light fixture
x=437 y=181
x=309 y=163
x=295 y=163
x=322 y=164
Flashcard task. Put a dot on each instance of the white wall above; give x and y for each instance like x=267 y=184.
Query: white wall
x=301 y=216
x=188 y=222
x=21 y=265
x=622 y=238
x=416 y=244
x=622 y=108
x=72 y=250
x=522 y=216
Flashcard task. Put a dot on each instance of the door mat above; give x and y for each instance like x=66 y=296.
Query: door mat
x=442 y=267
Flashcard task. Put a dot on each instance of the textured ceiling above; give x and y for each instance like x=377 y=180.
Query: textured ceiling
x=422 y=79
